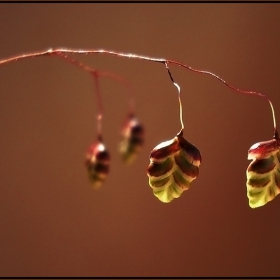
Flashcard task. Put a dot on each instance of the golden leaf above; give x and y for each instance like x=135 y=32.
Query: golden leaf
x=263 y=173
x=174 y=164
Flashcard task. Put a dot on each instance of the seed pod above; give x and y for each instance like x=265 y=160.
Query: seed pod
x=263 y=173
x=133 y=141
x=174 y=164
x=97 y=163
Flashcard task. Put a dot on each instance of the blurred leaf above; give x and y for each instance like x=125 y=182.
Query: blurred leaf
x=263 y=173
x=132 y=142
x=173 y=166
x=97 y=163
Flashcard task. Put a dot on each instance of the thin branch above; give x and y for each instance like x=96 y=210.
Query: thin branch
x=139 y=57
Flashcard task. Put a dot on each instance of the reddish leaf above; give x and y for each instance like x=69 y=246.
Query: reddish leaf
x=263 y=173
x=97 y=163
x=132 y=142
x=174 y=164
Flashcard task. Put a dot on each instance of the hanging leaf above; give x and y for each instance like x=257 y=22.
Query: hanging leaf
x=263 y=173
x=174 y=164
x=132 y=142
x=97 y=163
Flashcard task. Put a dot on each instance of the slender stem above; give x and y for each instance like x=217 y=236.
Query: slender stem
x=76 y=62
x=100 y=104
x=230 y=86
x=139 y=57
x=99 y=73
x=95 y=74
x=179 y=94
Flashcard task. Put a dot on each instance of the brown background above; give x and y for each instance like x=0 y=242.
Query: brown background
x=53 y=223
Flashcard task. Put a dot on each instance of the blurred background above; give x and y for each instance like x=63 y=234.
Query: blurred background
x=53 y=223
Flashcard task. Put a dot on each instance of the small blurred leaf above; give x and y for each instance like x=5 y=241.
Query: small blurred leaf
x=174 y=164
x=132 y=142
x=97 y=163
x=263 y=173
